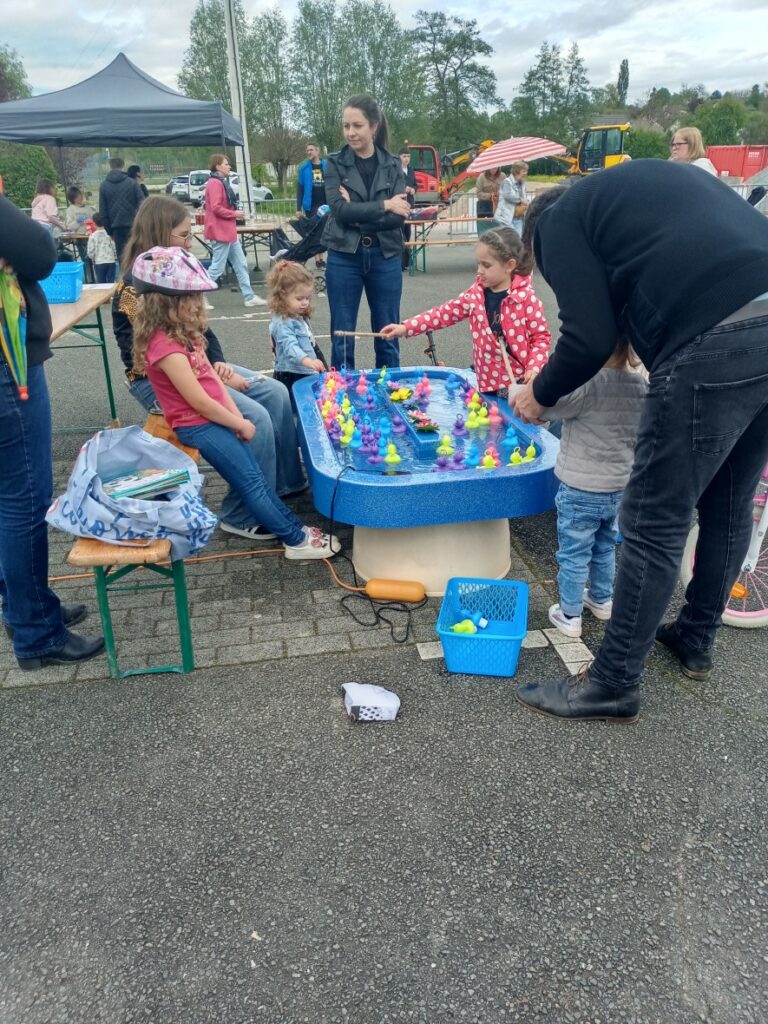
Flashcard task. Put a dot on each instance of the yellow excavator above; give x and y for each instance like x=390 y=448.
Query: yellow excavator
x=600 y=146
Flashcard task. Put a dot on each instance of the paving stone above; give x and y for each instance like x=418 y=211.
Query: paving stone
x=535 y=638
x=56 y=674
x=429 y=651
x=282 y=630
x=317 y=645
x=250 y=652
x=558 y=639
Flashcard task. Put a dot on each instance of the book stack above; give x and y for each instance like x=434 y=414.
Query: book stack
x=146 y=483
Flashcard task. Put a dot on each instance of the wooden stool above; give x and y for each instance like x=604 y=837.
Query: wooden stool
x=110 y=562
x=157 y=426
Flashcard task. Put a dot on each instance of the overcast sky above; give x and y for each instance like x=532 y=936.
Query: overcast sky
x=721 y=43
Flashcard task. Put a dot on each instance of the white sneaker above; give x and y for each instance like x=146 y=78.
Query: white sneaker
x=316 y=544
x=568 y=627
x=208 y=305
x=257 y=533
x=601 y=611
x=256 y=301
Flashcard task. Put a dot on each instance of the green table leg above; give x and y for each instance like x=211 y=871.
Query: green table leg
x=106 y=621
x=182 y=614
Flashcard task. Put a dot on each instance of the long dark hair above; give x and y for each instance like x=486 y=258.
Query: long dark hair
x=372 y=112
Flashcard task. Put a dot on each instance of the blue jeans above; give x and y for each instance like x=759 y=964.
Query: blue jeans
x=586 y=545
x=105 y=272
x=267 y=405
x=232 y=253
x=26 y=491
x=234 y=460
x=702 y=444
x=346 y=275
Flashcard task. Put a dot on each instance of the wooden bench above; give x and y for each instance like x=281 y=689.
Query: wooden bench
x=112 y=562
x=420 y=248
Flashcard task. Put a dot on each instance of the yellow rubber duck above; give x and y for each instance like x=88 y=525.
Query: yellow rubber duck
x=472 y=421
x=445 y=447
x=515 y=458
x=391 y=458
x=465 y=626
x=487 y=462
x=530 y=453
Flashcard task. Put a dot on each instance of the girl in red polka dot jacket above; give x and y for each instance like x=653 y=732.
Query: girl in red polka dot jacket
x=510 y=337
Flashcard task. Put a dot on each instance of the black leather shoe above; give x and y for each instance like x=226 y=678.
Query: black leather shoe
x=71 y=614
x=75 y=648
x=695 y=664
x=579 y=698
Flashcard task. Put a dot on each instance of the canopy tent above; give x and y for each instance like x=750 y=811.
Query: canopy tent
x=523 y=147
x=118 y=106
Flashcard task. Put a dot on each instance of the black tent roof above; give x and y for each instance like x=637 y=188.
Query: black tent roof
x=118 y=106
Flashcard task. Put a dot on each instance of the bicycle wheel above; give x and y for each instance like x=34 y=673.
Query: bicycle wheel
x=747 y=605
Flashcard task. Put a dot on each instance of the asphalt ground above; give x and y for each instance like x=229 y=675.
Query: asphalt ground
x=227 y=846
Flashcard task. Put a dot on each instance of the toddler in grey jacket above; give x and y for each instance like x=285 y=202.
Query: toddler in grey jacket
x=600 y=424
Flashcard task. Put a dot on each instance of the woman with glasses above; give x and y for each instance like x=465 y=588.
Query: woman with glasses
x=263 y=401
x=687 y=147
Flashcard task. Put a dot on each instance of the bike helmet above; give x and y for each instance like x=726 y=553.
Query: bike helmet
x=170 y=271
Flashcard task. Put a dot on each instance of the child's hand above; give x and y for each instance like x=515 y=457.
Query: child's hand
x=530 y=373
x=316 y=365
x=393 y=331
x=245 y=431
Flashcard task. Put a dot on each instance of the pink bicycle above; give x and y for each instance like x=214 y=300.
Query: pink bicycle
x=747 y=605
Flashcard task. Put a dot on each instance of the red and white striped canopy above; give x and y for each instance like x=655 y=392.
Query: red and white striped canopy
x=521 y=147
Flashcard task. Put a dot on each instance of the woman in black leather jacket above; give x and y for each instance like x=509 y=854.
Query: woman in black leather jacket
x=365 y=189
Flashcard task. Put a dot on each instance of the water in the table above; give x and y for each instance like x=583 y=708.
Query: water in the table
x=382 y=412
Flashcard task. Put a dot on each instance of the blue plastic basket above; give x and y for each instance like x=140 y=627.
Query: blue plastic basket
x=494 y=650
x=64 y=284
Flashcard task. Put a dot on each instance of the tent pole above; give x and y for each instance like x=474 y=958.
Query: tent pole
x=62 y=168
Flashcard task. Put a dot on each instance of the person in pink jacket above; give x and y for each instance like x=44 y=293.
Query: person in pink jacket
x=510 y=337
x=221 y=217
x=44 y=208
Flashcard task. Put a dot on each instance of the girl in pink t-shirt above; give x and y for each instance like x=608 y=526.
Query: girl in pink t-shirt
x=168 y=344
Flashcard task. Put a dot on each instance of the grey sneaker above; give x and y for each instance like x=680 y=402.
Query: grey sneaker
x=600 y=609
x=257 y=533
x=567 y=626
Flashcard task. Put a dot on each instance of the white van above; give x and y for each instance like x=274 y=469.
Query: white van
x=197 y=183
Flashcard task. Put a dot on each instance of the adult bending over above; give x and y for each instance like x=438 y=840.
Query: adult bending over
x=667 y=256
x=261 y=400
x=32 y=614
x=365 y=188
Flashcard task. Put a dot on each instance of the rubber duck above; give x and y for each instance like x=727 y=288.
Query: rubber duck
x=482 y=415
x=530 y=452
x=488 y=462
x=362 y=384
x=391 y=458
x=511 y=440
x=442 y=463
x=356 y=440
x=399 y=426
x=494 y=416
x=385 y=425
x=453 y=383
x=515 y=458
x=459 y=430
x=383 y=376
x=346 y=405
x=472 y=421
x=474 y=617
x=457 y=462
x=465 y=626
x=426 y=387
x=445 y=447
x=472 y=458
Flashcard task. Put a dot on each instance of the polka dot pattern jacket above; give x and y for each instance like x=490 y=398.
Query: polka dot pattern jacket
x=522 y=321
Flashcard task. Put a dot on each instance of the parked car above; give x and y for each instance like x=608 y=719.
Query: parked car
x=180 y=188
x=198 y=180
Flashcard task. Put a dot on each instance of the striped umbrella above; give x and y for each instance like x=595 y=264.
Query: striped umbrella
x=522 y=147
x=13 y=330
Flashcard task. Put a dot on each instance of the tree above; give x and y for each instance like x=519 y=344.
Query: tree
x=575 y=110
x=280 y=146
x=622 y=85
x=204 y=71
x=720 y=121
x=21 y=167
x=555 y=96
x=756 y=128
x=13 y=77
x=644 y=143
x=457 y=82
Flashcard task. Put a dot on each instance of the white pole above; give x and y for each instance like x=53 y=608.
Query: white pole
x=238 y=106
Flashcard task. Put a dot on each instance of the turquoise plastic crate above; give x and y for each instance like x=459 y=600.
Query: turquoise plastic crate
x=494 y=650
x=64 y=284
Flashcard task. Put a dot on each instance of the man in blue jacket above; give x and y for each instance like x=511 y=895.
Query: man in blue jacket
x=672 y=258
x=310 y=187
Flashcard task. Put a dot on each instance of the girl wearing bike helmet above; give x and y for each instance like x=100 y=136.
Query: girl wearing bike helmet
x=169 y=345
